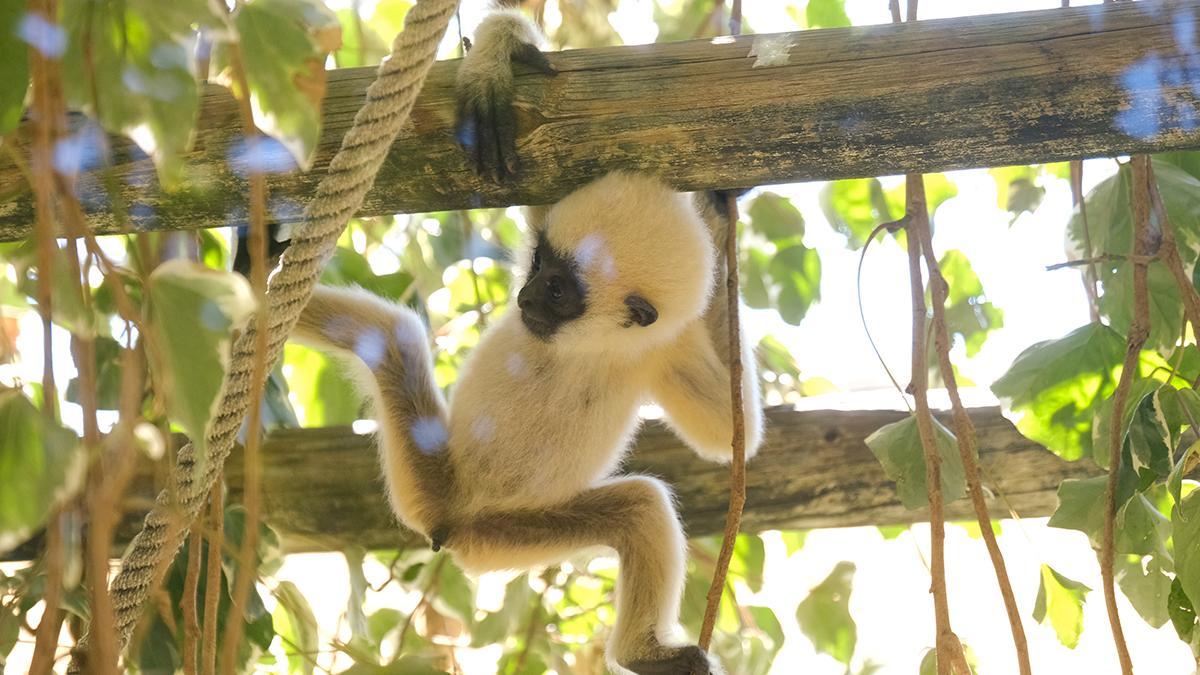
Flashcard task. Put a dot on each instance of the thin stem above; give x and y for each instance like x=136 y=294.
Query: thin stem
x=212 y=581
x=1139 y=330
x=1089 y=275
x=915 y=207
x=737 y=466
x=964 y=431
x=48 y=629
x=862 y=314
x=1168 y=253
x=187 y=604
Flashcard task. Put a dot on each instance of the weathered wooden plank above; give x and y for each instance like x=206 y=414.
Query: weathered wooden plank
x=322 y=491
x=930 y=96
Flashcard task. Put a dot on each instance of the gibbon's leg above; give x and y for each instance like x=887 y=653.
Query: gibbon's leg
x=392 y=344
x=692 y=385
x=632 y=514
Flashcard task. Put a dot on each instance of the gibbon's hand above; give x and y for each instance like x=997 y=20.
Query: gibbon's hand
x=486 y=125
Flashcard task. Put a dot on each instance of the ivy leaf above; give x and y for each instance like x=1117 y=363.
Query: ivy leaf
x=284 y=44
x=194 y=311
x=1081 y=502
x=108 y=375
x=1146 y=585
x=826 y=14
x=775 y=218
x=969 y=314
x=41 y=464
x=747 y=561
x=1175 y=480
x=855 y=207
x=1061 y=600
x=1055 y=387
x=1182 y=612
x=794 y=540
x=1139 y=391
x=1111 y=231
x=796 y=270
x=753 y=272
x=498 y=625
x=1185 y=530
x=322 y=389
x=130 y=65
x=1140 y=528
x=456 y=593
x=824 y=615
x=898 y=448
x=1017 y=189
x=14 y=68
x=295 y=622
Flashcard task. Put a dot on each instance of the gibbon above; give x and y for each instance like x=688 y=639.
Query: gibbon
x=619 y=304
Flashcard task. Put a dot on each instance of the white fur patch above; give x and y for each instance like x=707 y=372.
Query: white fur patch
x=429 y=434
x=592 y=253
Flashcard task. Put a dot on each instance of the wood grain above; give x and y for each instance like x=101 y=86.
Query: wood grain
x=929 y=96
x=322 y=488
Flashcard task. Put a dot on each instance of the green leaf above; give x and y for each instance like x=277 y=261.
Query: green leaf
x=1081 y=502
x=1111 y=231
x=969 y=314
x=1182 y=612
x=41 y=464
x=747 y=561
x=826 y=14
x=193 y=312
x=1061 y=601
x=1017 y=188
x=498 y=625
x=130 y=65
x=753 y=272
x=1055 y=387
x=1147 y=586
x=898 y=448
x=856 y=207
x=297 y=625
x=322 y=389
x=455 y=592
x=14 y=71
x=824 y=615
x=794 y=540
x=775 y=218
x=1175 y=480
x=889 y=532
x=796 y=270
x=1185 y=530
x=284 y=43
x=1140 y=528
x=1139 y=390
x=108 y=375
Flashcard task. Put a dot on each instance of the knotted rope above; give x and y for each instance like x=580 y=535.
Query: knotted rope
x=340 y=193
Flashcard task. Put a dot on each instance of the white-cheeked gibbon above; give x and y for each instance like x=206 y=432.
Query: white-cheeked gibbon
x=621 y=302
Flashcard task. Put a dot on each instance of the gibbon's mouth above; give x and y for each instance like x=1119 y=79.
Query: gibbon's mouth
x=542 y=330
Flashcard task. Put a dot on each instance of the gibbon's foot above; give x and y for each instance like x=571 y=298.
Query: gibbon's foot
x=690 y=660
x=486 y=126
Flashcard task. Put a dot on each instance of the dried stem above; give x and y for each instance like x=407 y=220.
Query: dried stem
x=1089 y=275
x=964 y=431
x=1168 y=253
x=737 y=466
x=212 y=581
x=1139 y=330
x=915 y=208
x=50 y=626
x=246 y=570
x=187 y=604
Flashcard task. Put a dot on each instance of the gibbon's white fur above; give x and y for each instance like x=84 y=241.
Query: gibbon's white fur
x=522 y=469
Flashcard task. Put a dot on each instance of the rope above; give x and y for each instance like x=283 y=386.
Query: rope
x=340 y=193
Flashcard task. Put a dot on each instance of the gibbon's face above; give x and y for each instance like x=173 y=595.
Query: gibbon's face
x=555 y=293
x=618 y=266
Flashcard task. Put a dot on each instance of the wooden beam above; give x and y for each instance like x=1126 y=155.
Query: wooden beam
x=321 y=488
x=732 y=112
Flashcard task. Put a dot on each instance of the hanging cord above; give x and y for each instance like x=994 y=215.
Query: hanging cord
x=339 y=195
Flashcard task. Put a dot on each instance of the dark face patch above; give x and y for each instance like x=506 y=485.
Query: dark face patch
x=553 y=294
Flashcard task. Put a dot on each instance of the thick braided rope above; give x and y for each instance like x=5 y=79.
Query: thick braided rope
x=340 y=193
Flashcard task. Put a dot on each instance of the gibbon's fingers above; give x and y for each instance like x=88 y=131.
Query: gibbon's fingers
x=506 y=141
x=690 y=660
x=466 y=133
x=489 y=153
x=530 y=56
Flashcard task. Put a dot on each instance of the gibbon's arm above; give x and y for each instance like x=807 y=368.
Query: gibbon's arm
x=692 y=385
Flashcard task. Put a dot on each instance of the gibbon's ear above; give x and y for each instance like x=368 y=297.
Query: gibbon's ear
x=641 y=311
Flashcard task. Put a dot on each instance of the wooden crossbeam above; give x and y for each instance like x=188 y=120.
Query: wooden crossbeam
x=929 y=96
x=321 y=488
